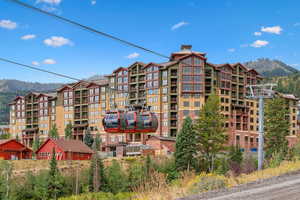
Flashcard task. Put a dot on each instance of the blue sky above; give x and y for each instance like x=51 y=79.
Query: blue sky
x=224 y=29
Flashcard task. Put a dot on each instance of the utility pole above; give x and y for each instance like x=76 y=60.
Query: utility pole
x=260 y=92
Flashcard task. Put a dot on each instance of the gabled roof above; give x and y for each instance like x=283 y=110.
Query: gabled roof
x=136 y=63
x=69 y=145
x=240 y=64
x=192 y=54
x=13 y=140
x=119 y=68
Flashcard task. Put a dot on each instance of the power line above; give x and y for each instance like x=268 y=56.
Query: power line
x=89 y=28
x=38 y=69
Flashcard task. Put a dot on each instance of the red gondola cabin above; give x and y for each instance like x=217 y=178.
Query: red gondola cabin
x=64 y=150
x=13 y=150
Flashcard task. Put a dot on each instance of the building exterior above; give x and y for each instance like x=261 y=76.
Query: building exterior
x=173 y=89
x=13 y=150
x=64 y=150
x=4 y=129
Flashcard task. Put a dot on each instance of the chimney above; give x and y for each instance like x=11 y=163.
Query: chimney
x=186 y=47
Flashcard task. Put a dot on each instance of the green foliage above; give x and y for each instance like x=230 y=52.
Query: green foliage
x=88 y=138
x=36 y=144
x=5 y=179
x=210 y=132
x=185 y=146
x=235 y=154
x=276 y=127
x=97 y=178
x=55 y=181
x=4 y=136
x=275 y=159
x=222 y=166
x=53 y=133
x=116 y=178
x=101 y=196
x=98 y=141
x=68 y=131
x=136 y=175
x=168 y=167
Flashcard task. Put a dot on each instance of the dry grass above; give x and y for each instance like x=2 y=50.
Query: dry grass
x=187 y=184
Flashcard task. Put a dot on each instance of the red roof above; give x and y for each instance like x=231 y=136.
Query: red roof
x=70 y=145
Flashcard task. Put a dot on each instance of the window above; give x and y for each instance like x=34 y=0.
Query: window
x=165 y=90
x=197 y=103
x=197 y=112
x=197 y=78
x=187 y=87
x=198 y=87
x=186 y=104
x=197 y=61
x=187 y=78
x=186 y=112
x=165 y=74
x=187 y=70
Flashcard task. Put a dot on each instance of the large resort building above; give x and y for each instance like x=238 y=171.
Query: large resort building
x=173 y=90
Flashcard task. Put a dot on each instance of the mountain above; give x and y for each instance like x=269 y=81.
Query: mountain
x=15 y=85
x=271 y=68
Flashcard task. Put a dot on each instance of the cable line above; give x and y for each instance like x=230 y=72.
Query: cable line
x=90 y=29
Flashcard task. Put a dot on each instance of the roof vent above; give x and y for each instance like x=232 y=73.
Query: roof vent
x=186 y=47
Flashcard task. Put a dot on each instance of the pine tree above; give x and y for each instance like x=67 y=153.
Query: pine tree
x=210 y=131
x=185 y=146
x=55 y=182
x=88 y=138
x=116 y=178
x=98 y=142
x=97 y=179
x=276 y=127
x=68 y=131
x=236 y=154
x=53 y=133
x=36 y=144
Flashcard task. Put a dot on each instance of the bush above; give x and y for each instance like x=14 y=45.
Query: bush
x=100 y=196
x=205 y=182
x=222 y=166
x=275 y=160
x=249 y=164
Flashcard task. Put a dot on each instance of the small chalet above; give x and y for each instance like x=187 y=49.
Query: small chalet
x=64 y=150
x=161 y=145
x=11 y=149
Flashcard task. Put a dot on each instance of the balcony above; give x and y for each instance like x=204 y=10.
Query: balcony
x=173 y=123
x=174 y=99
x=173 y=116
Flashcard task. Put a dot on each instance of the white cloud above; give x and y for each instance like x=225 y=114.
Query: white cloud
x=273 y=29
x=49 y=61
x=178 y=25
x=259 y=43
x=28 y=37
x=57 y=41
x=133 y=55
x=6 y=23
x=257 y=33
x=93 y=2
x=35 y=63
x=53 y=2
x=231 y=50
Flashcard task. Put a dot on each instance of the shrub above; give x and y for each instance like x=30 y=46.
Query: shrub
x=205 y=182
x=275 y=160
x=249 y=164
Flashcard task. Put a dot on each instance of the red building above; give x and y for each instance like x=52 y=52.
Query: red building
x=13 y=150
x=161 y=145
x=64 y=150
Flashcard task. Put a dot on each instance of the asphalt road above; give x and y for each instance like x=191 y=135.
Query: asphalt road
x=283 y=188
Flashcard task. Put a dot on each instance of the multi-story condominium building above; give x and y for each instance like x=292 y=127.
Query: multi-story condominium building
x=173 y=90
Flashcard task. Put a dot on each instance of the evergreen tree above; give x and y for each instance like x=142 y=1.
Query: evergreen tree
x=276 y=127
x=68 y=131
x=36 y=144
x=88 y=138
x=116 y=178
x=98 y=141
x=185 y=146
x=53 y=133
x=55 y=182
x=210 y=131
x=97 y=179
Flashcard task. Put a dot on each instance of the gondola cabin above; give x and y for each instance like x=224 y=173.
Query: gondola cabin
x=130 y=122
